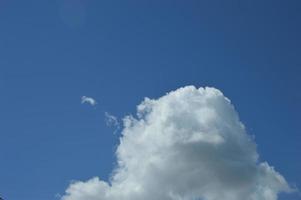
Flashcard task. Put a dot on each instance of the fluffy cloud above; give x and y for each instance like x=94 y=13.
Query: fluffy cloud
x=186 y=145
x=88 y=100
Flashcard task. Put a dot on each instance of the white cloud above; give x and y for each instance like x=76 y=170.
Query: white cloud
x=88 y=100
x=112 y=120
x=186 y=145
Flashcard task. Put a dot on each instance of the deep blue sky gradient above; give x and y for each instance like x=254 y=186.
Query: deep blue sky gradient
x=118 y=52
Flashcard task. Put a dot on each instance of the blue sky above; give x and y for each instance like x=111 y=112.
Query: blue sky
x=54 y=52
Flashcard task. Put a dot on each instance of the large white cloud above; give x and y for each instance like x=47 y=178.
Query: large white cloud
x=186 y=145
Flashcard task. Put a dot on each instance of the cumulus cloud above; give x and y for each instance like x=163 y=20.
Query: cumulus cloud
x=112 y=121
x=186 y=145
x=88 y=100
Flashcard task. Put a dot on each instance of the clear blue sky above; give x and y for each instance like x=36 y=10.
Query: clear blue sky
x=118 y=52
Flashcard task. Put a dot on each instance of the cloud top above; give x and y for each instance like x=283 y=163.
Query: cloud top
x=88 y=100
x=187 y=145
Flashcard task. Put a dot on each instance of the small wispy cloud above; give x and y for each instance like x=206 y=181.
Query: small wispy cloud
x=112 y=121
x=89 y=100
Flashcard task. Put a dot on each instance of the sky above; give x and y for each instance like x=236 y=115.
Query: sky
x=69 y=69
